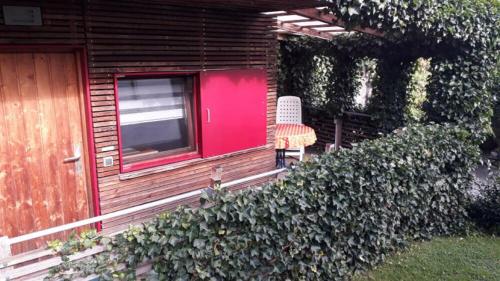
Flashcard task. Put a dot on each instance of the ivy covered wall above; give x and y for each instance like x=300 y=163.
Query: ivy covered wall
x=461 y=39
x=323 y=78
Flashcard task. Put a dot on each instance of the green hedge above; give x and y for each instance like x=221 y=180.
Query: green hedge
x=332 y=216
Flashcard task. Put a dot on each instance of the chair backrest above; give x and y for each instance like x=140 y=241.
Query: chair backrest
x=289 y=110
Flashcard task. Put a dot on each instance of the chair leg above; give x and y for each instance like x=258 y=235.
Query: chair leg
x=280 y=158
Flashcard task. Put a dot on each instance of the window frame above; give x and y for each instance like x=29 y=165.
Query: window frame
x=161 y=160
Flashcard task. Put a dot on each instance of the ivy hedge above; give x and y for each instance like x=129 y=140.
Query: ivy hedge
x=331 y=217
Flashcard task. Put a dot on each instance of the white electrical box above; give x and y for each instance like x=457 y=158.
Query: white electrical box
x=107 y=161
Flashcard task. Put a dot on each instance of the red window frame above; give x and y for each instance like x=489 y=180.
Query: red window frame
x=196 y=120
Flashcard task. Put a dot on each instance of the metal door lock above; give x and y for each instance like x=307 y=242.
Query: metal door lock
x=76 y=155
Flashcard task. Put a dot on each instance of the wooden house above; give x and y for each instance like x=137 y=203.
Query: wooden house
x=109 y=104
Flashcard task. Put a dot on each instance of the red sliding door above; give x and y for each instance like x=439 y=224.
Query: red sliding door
x=233 y=109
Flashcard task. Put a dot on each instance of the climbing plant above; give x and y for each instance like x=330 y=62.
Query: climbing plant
x=400 y=89
x=461 y=37
x=367 y=73
x=303 y=73
x=417 y=91
x=323 y=78
x=393 y=77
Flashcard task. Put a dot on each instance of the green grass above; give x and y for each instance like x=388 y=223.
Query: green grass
x=473 y=258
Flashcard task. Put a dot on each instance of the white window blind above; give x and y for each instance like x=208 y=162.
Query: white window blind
x=151 y=100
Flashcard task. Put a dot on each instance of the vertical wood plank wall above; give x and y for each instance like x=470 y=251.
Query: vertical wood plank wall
x=41 y=190
x=142 y=36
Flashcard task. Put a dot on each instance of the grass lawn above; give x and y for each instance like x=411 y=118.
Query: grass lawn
x=474 y=258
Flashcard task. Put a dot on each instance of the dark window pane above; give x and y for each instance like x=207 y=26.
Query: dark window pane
x=156 y=117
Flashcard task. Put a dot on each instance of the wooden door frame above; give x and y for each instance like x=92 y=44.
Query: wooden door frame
x=81 y=53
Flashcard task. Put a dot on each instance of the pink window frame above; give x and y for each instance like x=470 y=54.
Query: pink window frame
x=150 y=163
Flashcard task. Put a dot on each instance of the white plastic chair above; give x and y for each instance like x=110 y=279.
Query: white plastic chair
x=289 y=111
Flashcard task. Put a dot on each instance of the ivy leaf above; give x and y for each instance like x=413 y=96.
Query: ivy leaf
x=199 y=243
x=352 y=11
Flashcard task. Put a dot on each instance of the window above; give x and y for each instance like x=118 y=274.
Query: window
x=157 y=120
x=167 y=118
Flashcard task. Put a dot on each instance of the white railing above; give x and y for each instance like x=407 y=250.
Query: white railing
x=7 y=261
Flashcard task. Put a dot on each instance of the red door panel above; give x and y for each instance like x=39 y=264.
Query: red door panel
x=233 y=109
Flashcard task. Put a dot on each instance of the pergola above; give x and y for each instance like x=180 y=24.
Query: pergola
x=303 y=17
x=315 y=22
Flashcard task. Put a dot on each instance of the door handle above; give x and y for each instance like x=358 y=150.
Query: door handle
x=72 y=159
x=76 y=157
x=209 y=116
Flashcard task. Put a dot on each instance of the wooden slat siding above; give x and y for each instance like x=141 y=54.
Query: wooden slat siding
x=354 y=128
x=128 y=187
x=142 y=36
x=255 y=5
x=123 y=42
x=140 y=217
x=272 y=72
x=166 y=50
x=144 y=216
x=180 y=185
x=323 y=125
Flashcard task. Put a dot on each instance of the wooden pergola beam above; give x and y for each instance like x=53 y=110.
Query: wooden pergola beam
x=298 y=21
x=314 y=25
x=329 y=28
x=318 y=15
x=292 y=28
x=336 y=31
